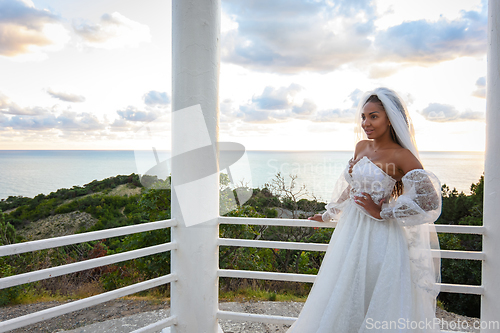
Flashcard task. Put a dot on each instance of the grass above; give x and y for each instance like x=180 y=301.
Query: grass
x=32 y=295
x=251 y=294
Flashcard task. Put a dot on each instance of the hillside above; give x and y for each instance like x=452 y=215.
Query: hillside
x=70 y=223
x=68 y=211
x=57 y=225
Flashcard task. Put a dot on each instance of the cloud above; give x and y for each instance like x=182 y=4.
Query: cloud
x=156 y=98
x=480 y=88
x=229 y=113
x=113 y=31
x=336 y=115
x=289 y=37
x=252 y=114
x=444 y=113
x=71 y=121
x=277 y=98
x=7 y=106
x=131 y=113
x=381 y=70
x=308 y=107
x=122 y=125
x=66 y=97
x=40 y=118
x=273 y=105
x=340 y=115
x=425 y=41
x=293 y=36
x=31 y=123
x=481 y=82
x=67 y=121
x=27 y=33
x=355 y=97
x=283 y=104
x=39 y=124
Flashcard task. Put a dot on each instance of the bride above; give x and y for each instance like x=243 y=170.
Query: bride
x=379 y=273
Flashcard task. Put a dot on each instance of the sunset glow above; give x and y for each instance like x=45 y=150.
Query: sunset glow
x=89 y=74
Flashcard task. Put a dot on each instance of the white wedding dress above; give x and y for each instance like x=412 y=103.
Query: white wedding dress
x=377 y=275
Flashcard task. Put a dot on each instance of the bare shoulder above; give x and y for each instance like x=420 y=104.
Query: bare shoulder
x=360 y=146
x=406 y=161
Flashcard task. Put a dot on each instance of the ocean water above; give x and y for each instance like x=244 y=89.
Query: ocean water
x=31 y=172
x=28 y=173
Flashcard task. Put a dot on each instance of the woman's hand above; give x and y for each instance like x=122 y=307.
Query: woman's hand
x=316 y=217
x=365 y=200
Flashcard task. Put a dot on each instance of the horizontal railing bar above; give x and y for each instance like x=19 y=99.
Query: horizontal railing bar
x=442 y=228
x=461 y=289
x=449 y=254
x=48 y=273
x=459 y=229
x=268 y=319
x=83 y=303
x=158 y=325
x=470 y=255
x=276 y=222
x=273 y=244
x=234 y=273
x=84 y=237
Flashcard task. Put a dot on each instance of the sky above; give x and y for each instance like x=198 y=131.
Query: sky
x=92 y=74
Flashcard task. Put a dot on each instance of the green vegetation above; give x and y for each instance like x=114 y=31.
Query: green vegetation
x=461 y=209
x=29 y=210
x=94 y=198
x=7 y=236
x=109 y=209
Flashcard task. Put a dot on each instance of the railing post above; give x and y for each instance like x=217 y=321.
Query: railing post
x=490 y=301
x=195 y=194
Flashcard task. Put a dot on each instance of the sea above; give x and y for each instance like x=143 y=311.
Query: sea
x=314 y=173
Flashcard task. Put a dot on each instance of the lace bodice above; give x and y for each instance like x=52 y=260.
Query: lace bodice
x=420 y=202
x=367 y=177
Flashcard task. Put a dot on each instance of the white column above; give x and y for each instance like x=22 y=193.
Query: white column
x=490 y=301
x=195 y=195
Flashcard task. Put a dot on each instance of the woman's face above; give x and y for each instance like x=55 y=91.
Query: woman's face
x=374 y=120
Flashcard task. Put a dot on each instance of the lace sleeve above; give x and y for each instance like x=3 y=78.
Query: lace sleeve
x=421 y=201
x=339 y=198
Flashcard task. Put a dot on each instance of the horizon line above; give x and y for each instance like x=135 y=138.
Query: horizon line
x=254 y=150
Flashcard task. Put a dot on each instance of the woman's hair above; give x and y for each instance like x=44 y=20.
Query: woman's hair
x=375 y=99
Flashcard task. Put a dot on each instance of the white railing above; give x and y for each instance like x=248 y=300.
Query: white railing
x=84 y=237
x=452 y=288
x=225 y=315
x=19 y=279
